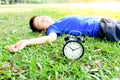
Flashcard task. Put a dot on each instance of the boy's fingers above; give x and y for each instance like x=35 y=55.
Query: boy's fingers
x=11 y=48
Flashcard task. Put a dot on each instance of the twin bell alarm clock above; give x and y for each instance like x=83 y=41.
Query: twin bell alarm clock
x=73 y=48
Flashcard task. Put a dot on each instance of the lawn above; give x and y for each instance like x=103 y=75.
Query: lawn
x=101 y=60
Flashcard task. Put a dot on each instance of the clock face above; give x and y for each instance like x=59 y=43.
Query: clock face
x=73 y=50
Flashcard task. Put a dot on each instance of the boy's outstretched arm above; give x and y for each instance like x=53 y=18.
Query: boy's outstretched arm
x=23 y=43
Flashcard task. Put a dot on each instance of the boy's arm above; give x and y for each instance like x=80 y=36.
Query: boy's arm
x=41 y=40
x=23 y=43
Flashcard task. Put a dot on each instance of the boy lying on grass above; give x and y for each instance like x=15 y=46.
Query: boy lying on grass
x=88 y=26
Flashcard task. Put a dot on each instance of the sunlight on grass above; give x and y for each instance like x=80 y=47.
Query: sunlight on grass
x=41 y=62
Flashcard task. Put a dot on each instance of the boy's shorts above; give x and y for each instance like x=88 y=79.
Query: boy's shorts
x=110 y=29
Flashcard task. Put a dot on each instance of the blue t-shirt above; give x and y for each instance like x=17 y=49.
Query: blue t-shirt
x=87 y=26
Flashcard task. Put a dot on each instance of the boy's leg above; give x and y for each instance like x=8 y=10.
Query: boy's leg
x=111 y=29
x=118 y=21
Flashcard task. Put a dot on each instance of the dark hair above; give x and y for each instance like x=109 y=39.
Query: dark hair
x=31 y=23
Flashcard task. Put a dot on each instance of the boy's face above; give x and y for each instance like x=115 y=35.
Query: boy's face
x=42 y=22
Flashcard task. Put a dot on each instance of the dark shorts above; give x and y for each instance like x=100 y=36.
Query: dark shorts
x=110 y=29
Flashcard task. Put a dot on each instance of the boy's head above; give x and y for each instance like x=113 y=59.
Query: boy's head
x=40 y=23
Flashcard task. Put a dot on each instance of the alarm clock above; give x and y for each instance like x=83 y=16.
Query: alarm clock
x=73 y=48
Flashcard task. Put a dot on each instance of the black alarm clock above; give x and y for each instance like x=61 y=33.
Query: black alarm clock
x=73 y=48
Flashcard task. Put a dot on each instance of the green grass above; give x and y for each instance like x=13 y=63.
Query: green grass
x=42 y=62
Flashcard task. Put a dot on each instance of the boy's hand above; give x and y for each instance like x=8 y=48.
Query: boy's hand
x=11 y=48
x=17 y=46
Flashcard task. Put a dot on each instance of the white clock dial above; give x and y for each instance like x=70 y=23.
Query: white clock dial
x=73 y=50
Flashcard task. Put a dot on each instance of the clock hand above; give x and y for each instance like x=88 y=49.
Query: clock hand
x=76 y=48
x=71 y=48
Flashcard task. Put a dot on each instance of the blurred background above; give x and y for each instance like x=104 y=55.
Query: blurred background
x=53 y=1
